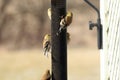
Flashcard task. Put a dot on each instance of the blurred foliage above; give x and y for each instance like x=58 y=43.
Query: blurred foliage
x=23 y=23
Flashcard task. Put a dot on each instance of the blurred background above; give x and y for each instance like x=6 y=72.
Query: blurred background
x=23 y=24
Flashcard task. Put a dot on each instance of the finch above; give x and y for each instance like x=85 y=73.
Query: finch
x=46 y=44
x=49 y=13
x=46 y=75
x=65 y=21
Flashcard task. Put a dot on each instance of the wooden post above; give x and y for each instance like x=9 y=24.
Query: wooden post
x=59 y=48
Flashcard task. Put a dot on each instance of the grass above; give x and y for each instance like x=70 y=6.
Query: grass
x=83 y=64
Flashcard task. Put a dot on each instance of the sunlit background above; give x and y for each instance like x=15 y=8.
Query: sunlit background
x=23 y=24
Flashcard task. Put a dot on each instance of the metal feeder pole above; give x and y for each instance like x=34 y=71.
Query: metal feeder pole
x=59 y=47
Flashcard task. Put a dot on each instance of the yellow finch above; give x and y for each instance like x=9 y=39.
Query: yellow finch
x=65 y=21
x=46 y=44
x=46 y=75
x=49 y=13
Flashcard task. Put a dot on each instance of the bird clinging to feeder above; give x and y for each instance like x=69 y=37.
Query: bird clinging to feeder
x=47 y=44
x=49 y=13
x=65 y=21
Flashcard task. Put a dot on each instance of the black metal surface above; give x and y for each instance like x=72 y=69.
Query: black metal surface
x=98 y=25
x=93 y=7
x=99 y=34
x=59 y=47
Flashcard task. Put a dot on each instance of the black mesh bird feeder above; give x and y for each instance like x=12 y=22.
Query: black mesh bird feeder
x=59 y=47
